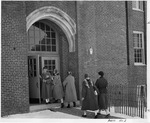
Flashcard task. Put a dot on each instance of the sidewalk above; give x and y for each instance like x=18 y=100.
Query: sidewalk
x=53 y=111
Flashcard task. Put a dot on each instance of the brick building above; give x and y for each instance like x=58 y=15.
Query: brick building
x=81 y=36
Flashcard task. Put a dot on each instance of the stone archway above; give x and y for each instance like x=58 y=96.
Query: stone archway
x=59 y=17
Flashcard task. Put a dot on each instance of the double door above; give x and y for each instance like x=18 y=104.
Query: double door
x=35 y=65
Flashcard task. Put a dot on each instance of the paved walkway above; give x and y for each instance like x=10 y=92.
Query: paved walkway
x=53 y=111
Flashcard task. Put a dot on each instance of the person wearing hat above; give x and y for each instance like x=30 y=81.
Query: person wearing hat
x=58 y=88
x=70 y=90
x=89 y=96
x=101 y=84
x=46 y=85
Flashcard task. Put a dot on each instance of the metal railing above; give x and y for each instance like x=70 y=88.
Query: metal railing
x=126 y=100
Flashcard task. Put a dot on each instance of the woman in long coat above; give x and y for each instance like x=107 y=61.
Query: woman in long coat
x=102 y=84
x=70 y=90
x=46 y=85
x=89 y=96
x=58 y=88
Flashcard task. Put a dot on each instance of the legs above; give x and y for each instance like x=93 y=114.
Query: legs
x=74 y=104
x=84 y=113
x=68 y=105
x=62 y=103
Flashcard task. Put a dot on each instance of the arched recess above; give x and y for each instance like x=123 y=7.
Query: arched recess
x=59 y=17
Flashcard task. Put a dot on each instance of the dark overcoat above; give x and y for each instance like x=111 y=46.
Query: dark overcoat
x=90 y=101
x=58 y=88
x=47 y=85
x=101 y=85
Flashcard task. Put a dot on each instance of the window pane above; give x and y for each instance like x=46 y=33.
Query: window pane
x=37 y=47
x=47 y=28
x=42 y=26
x=43 y=48
x=141 y=5
x=141 y=40
x=43 y=41
x=45 y=62
x=53 y=35
x=48 y=34
x=134 y=4
x=36 y=24
x=54 y=41
x=49 y=62
x=48 y=41
x=48 y=48
x=34 y=73
x=53 y=48
x=53 y=62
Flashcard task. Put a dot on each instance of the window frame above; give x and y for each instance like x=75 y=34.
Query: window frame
x=137 y=6
x=143 y=49
x=45 y=52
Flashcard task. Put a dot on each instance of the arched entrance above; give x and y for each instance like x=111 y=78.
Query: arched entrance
x=43 y=44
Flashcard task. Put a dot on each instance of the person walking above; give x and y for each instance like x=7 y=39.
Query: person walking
x=70 y=90
x=89 y=96
x=46 y=85
x=58 y=88
x=101 y=84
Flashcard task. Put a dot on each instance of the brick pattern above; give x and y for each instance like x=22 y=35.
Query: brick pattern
x=14 y=85
x=105 y=27
x=136 y=74
x=66 y=6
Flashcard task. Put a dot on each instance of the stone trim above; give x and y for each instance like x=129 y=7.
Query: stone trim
x=64 y=21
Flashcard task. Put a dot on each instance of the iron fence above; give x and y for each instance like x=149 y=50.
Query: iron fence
x=127 y=100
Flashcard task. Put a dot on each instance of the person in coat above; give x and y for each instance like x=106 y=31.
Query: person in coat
x=70 y=90
x=58 y=88
x=46 y=85
x=89 y=96
x=101 y=84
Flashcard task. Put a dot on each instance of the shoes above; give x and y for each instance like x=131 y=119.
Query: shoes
x=62 y=105
x=83 y=115
x=98 y=113
x=68 y=106
x=96 y=116
x=107 y=115
x=74 y=104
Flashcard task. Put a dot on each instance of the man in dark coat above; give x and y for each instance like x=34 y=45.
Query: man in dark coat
x=89 y=96
x=102 y=84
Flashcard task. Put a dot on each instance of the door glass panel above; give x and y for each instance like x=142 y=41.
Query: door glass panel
x=32 y=68
x=50 y=64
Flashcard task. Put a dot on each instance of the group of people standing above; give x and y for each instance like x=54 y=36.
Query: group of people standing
x=53 y=88
x=94 y=95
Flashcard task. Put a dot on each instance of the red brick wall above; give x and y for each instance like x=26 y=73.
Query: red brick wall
x=14 y=80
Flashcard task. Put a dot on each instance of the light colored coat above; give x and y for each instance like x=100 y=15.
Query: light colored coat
x=70 y=90
x=58 y=87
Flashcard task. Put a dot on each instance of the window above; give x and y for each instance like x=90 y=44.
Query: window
x=138 y=42
x=42 y=38
x=137 y=5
